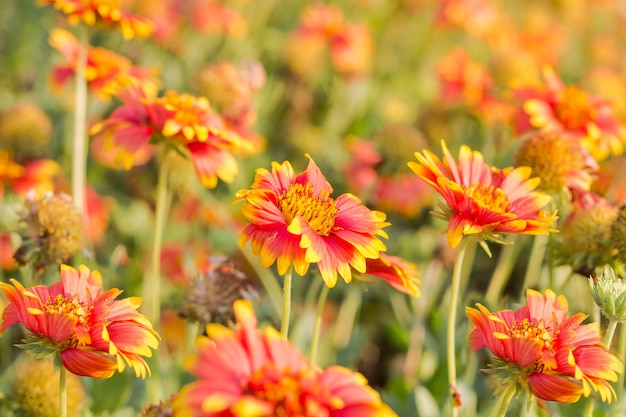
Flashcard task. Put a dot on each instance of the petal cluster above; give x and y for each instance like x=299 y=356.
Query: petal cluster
x=249 y=372
x=540 y=348
x=295 y=222
x=481 y=200
x=95 y=334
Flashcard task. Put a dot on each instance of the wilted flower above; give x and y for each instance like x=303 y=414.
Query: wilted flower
x=107 y=73
x=104 y=13
x=541 y=350
x=25 y=129
x=35 y=392
x=211 y=294
x=163 y=409
x=481 y=200
x=571 y=111
x=295 y=221
x=558 y=160
x=249 y=372
x=53 y=230
x=609 y=293
x=94 y=334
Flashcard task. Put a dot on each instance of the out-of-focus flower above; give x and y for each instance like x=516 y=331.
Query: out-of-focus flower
x=217 y=18
x=403 y=194
x=179 y=262
x=542 y=350
x=462 y=80
x=9 y=169
x=107 y=73
x=483 y=201
x=399 y=273
x=35 y=391
x=560 y=161
x=183 y=121
x=609 y=293
x=295 y=221
x=352 y=50
x=568 y=109
x=103 y=13
x=25 y=129
x=210 y=295
x=96 y=217
x=7 y=249
x=40 y=175
x=53 y=230
x=618 y=235
x=360 y=172
x=94 y=334
x=478 y=17
x=609 y=181
x=249 y=372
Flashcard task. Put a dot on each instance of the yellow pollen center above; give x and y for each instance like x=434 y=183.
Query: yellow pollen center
x=528 y=330
x=573 y=109
x=61 y=305
x=318 y=210
x=489 y=197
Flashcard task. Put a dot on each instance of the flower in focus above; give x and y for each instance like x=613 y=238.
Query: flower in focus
x=541 y=350
x=94 y=333
x=53 y=230
x=103 y=13
x=36 y=394
x=183 y=121
x=483 y=201
x=295 y=221
x=211 y=294
x=25 y=129
x=399 y=273
x=569 y=110
x=107 y=73
x=559 y=161
x=249 y=372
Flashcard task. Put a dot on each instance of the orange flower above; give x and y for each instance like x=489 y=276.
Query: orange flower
x=94 y=333
x=481 y=200
x=539 y=348
x=107 y=72
x=399 y=273
x=294 y=220
x=572 y=111
x=9 y=169
x=249 y=372
x=180 y=120
x=106 y=13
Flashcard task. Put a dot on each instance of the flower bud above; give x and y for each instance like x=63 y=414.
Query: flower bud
x=609 y=293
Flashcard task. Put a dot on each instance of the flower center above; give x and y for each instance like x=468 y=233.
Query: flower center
x=61 y=305
x=529 y=330
x=293 y=394
x=489 y=197
x=573 y=108
x=318 y=210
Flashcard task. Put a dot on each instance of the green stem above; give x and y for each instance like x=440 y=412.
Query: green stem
x=284 y=324
x=62 y=391
x=501 y=274
x=505 y=400
x=535 y=261
x=79 y=156
x=318 y=322
x=621 y=347
x=451 y=345
x=610 y=331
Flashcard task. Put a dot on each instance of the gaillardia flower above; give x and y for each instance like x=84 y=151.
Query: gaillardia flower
x=481 y=200
x=248 y=372
x=540 y=349
x=295 y=221
x=94 y=334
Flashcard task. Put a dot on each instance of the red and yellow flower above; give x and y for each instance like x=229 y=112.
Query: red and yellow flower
x=107 y=13
x=183 y=121
x=481 y=200
x=542 y=350
x=399 y=273
x=570 y=110
x=250 y=372
x=295 y=221
x=94 y=334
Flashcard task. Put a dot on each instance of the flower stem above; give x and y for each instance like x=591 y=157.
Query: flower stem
x=284 y=324
x=610 y=331
x=535 y=261
x=506 y=261
x=318 y=322
x=451 y=345
x=505 y=400
x=79 y=156
x=62 y=391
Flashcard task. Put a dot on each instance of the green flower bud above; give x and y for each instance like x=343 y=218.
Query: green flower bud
x=609 y=293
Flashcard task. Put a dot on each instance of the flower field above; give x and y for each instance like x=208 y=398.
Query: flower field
x=352 y=208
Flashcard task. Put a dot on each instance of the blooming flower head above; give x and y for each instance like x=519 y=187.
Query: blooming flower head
x=105 y=13
x=94 y=333
x=107 y=72
x=180 y=120
x=399 y=273
x=250 y=372
x=574 y=112
x=481 y=200
x=542 y=350
x=295 y=221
